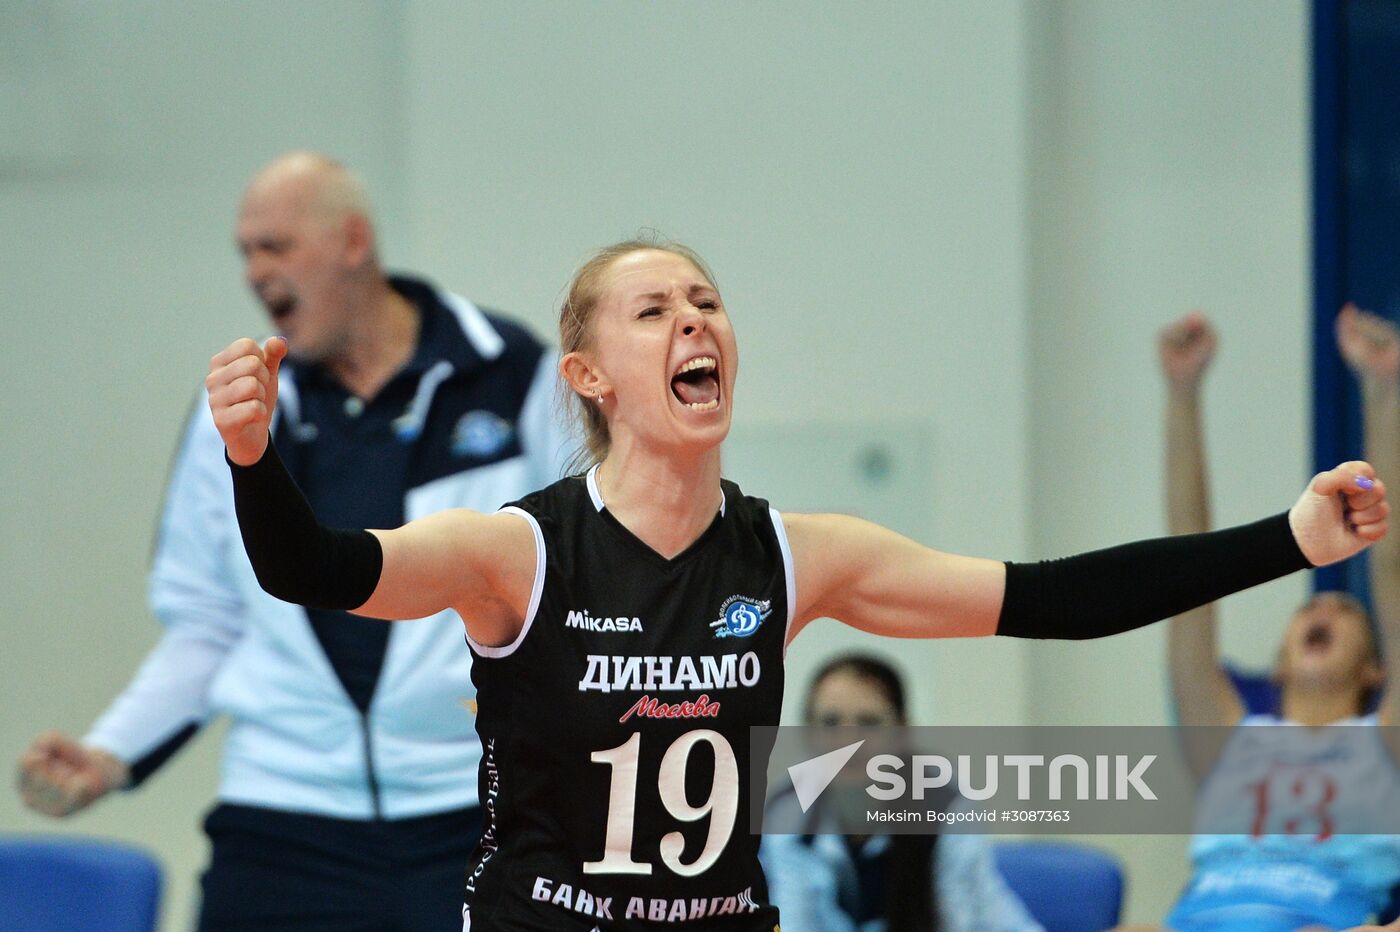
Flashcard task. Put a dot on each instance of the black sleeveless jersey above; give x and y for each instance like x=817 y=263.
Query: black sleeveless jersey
x=615 y=728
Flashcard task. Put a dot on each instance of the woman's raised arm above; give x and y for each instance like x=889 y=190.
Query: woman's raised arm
x=876 y=580
x=481 y=565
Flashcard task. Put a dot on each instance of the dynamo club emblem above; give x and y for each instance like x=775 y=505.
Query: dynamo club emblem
x=740 y=617
x=481 y=434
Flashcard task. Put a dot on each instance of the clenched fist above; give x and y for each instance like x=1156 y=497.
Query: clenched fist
x=1185 y=348
x=242 y=385
x=1341 y=512
x=59 y=776
x=1369 y=343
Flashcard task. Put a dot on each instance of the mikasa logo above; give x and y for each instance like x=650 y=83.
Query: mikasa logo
x=587 y=622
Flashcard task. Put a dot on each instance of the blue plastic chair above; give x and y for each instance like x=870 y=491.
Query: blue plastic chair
x=67 y=884
x=1066 y=888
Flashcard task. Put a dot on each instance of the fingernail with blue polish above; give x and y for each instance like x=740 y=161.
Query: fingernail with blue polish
x=1363 y=483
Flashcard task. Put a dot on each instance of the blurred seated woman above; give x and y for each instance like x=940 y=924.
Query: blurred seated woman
x=837 y=879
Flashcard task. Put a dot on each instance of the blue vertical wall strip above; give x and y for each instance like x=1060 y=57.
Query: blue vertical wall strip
x=1356 y=212
x=1330 y=407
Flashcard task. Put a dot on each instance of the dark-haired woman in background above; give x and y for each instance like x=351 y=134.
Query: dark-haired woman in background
x=837 y=879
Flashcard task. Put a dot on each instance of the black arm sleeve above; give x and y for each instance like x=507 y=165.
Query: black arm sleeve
x=1110 y=591
x=295 y=558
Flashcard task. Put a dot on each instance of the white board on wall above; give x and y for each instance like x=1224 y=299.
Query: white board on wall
x=879 y=471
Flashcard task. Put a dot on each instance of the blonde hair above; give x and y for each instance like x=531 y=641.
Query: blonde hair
x=586 y=290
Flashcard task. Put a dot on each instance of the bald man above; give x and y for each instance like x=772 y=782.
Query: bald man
x=348 y=794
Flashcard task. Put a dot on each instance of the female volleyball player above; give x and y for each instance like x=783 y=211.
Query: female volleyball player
x=628 y=625
x=1282 y=808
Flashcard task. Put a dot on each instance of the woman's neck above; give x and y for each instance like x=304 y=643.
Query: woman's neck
x=666 y=501
x=1317 y=706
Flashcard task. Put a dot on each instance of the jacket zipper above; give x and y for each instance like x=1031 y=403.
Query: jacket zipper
x=370 y=775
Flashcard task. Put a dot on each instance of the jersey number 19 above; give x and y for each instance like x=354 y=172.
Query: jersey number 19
x=722 y=805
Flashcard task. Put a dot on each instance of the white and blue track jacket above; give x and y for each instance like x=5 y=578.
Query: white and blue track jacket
x=485 y=426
